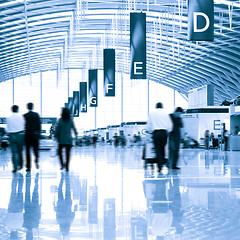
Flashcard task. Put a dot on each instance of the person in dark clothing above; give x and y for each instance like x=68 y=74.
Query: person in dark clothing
x=63 y=134
x=175 y=137
x=236 y=131
x=116 y=140
x=123 y=140
x=94 y=140
x=225 y=138
x=32 y=135
x=206 y=139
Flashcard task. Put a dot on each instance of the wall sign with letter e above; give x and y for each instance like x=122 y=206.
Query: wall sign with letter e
x=201 y=20
x=109 y=72
x=138 y=45
x=83 y=97
x=92 y=87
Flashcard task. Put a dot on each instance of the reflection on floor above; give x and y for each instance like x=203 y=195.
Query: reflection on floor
x=107 y=195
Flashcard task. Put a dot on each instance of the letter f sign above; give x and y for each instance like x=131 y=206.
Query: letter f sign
x=109 y=87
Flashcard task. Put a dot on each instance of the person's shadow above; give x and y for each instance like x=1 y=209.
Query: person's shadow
x=175 y=206
x=64 y=214
x=160 y=216
x=14 y=218
x=164 y=204
x=32 y=214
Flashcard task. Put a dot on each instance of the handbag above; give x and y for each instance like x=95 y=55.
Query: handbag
x=54 y=150
x=150 y=152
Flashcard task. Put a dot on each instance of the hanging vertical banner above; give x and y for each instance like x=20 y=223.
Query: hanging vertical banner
x=92 y=84
x=76 y=103
x=83 y=97
x=138 y=45
x=70 y=104
x=109 y=72
x=201 y=20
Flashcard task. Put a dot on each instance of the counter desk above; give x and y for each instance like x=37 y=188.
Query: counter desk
x=235 y=143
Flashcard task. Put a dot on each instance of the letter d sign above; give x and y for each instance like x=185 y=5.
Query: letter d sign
x=195 y=18
x=201 y=20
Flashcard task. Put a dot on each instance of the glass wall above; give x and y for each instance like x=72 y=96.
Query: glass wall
x=6 y=98
x=26 y=90
x=50 y=90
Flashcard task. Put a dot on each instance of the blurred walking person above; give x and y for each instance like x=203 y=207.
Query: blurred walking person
x=159 y=123
x=32 y=135
x=63 y=133
x=206 y=139
x=15 y=128
x=175 y=137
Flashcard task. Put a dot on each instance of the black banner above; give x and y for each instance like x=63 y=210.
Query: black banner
x=76 y=103
x=70 y=104
x=138 y=45
x=201 y=20
x=83 y=97
x=92 y=83
x=109 y=72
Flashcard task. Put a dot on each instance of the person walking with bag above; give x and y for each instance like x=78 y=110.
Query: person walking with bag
x=159 y=123
x=63 y=134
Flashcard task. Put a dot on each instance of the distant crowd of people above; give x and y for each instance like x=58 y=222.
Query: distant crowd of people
x=116 y=140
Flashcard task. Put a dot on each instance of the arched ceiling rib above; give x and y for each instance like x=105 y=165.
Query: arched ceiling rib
x=41 y=35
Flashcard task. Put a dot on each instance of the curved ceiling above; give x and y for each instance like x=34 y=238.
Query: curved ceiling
x=41 y=35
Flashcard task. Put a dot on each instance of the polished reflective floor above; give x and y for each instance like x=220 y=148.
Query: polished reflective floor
x=107 y=195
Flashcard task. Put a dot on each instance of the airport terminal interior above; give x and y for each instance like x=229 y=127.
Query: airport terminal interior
x=109 y=63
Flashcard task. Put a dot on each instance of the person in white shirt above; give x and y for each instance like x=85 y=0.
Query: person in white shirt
x=159 y=123
x=15 y=129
